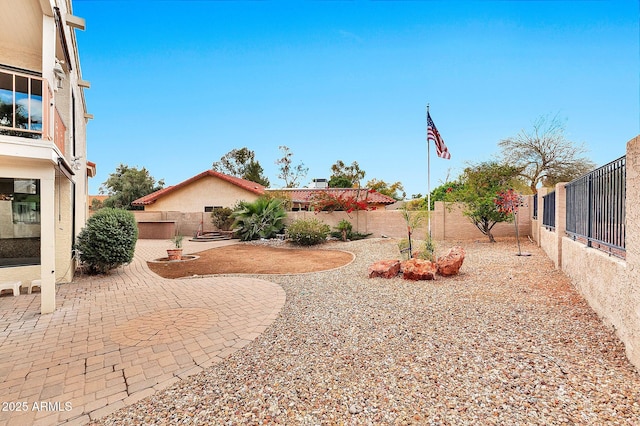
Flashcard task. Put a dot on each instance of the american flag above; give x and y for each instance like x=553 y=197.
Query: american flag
x=434 y=135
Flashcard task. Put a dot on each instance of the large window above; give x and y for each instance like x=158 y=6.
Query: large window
x=20 y=105
x=19 y=222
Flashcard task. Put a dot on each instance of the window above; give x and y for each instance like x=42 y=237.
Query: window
x=209 y=209
x=20 y=105
x=19 y=222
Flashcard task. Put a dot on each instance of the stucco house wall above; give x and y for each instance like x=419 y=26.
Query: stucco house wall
x=208 y=191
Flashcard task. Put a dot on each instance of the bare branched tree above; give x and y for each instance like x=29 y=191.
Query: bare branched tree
x=292 y=175
x=544 y=155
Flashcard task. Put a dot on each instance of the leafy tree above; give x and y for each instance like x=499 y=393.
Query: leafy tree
x=390 y=190
x=254 y=173
x=263 y=218
x=478 y=188
x=128 y=184
x=108 y=240
x=544 y=155
x=340 y=182
x=352 y=173
x=288 y=172
x=241 y=163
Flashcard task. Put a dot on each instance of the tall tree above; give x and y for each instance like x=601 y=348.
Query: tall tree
x=394 y=190
x=290 y=174
x=341 y=174
x=241 y=163
x=544 y=155
x=477 y=188
x=127 y=184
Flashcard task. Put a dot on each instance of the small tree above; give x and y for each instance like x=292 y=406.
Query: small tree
x=344 y=176
x=127 y=184
x=394 y=190
x=288 y=172
x=108 y=240
x=508 y=202
x=477 y=189
x=241 y=163
x=543 y=155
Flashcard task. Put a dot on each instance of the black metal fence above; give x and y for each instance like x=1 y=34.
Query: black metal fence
x=535 y=207
x=596 y=207
x=549 y=211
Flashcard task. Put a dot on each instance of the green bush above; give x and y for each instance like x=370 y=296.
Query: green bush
x=221 y=218
x=108 y=240
x=344 y=231
x=264 y=218
x=308 y=232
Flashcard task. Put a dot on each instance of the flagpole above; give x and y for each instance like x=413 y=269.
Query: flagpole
x=428 y=177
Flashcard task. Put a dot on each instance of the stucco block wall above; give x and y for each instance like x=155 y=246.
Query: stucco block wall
x=548 y=241
x=447 y=223
x=610 y=285
x=604 y=282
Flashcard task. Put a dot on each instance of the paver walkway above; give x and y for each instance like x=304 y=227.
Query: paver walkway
x=117 y=339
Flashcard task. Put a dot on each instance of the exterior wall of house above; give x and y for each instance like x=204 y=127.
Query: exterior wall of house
x=610 y=285
x=208 y=191
x=63 y=207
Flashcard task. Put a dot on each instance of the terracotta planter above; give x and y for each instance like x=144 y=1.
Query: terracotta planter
x=174 y=254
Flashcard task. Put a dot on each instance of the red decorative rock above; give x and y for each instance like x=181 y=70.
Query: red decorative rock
x=450 y=263
x=418 y=269
x=384 y=269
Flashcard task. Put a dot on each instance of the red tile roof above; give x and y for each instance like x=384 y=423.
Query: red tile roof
x=302 y=195
x=256 y=188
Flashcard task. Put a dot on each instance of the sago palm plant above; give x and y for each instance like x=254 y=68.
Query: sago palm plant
x=263 y=218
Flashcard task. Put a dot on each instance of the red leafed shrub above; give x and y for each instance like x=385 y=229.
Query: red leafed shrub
x=330 y=201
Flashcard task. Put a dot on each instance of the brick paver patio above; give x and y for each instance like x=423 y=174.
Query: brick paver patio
x=117 y=339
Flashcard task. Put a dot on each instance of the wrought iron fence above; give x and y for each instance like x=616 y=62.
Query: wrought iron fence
x=535 y=207
x=596 y=207
x=549 y=211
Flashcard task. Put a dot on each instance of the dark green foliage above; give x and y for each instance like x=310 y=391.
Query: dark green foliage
x=264 y=218
x=344 y=231
x=221 y=218
x=478 y=188
x=108 y=240
x=308 y=232
x=128 y=184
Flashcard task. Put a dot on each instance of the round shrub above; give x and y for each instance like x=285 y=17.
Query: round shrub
x=308 y=232
x=108 y=240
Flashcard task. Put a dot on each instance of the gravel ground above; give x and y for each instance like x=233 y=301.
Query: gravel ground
x=508 y=341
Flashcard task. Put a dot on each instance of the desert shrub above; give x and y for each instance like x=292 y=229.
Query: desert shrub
x=108 y=240
x=263 y=218
x=344 y=231
x=308 y=232
x=221 y=218
x=420 y=249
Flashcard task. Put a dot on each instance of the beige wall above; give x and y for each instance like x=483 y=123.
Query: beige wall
x=447 y=223
x=610 y=285
x=208 y=191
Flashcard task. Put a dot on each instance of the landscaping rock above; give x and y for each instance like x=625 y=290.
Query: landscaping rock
x=418 y=269
x=384 y=269
x=450 y=263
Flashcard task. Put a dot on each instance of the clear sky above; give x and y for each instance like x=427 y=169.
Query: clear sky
x=175 y=85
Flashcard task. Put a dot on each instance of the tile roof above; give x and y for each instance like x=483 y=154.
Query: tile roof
x=254 y=187
x=302 y=195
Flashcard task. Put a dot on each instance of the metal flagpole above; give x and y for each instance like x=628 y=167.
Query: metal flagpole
x=428 y=176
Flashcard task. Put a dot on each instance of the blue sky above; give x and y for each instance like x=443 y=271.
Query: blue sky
x=175 y=85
